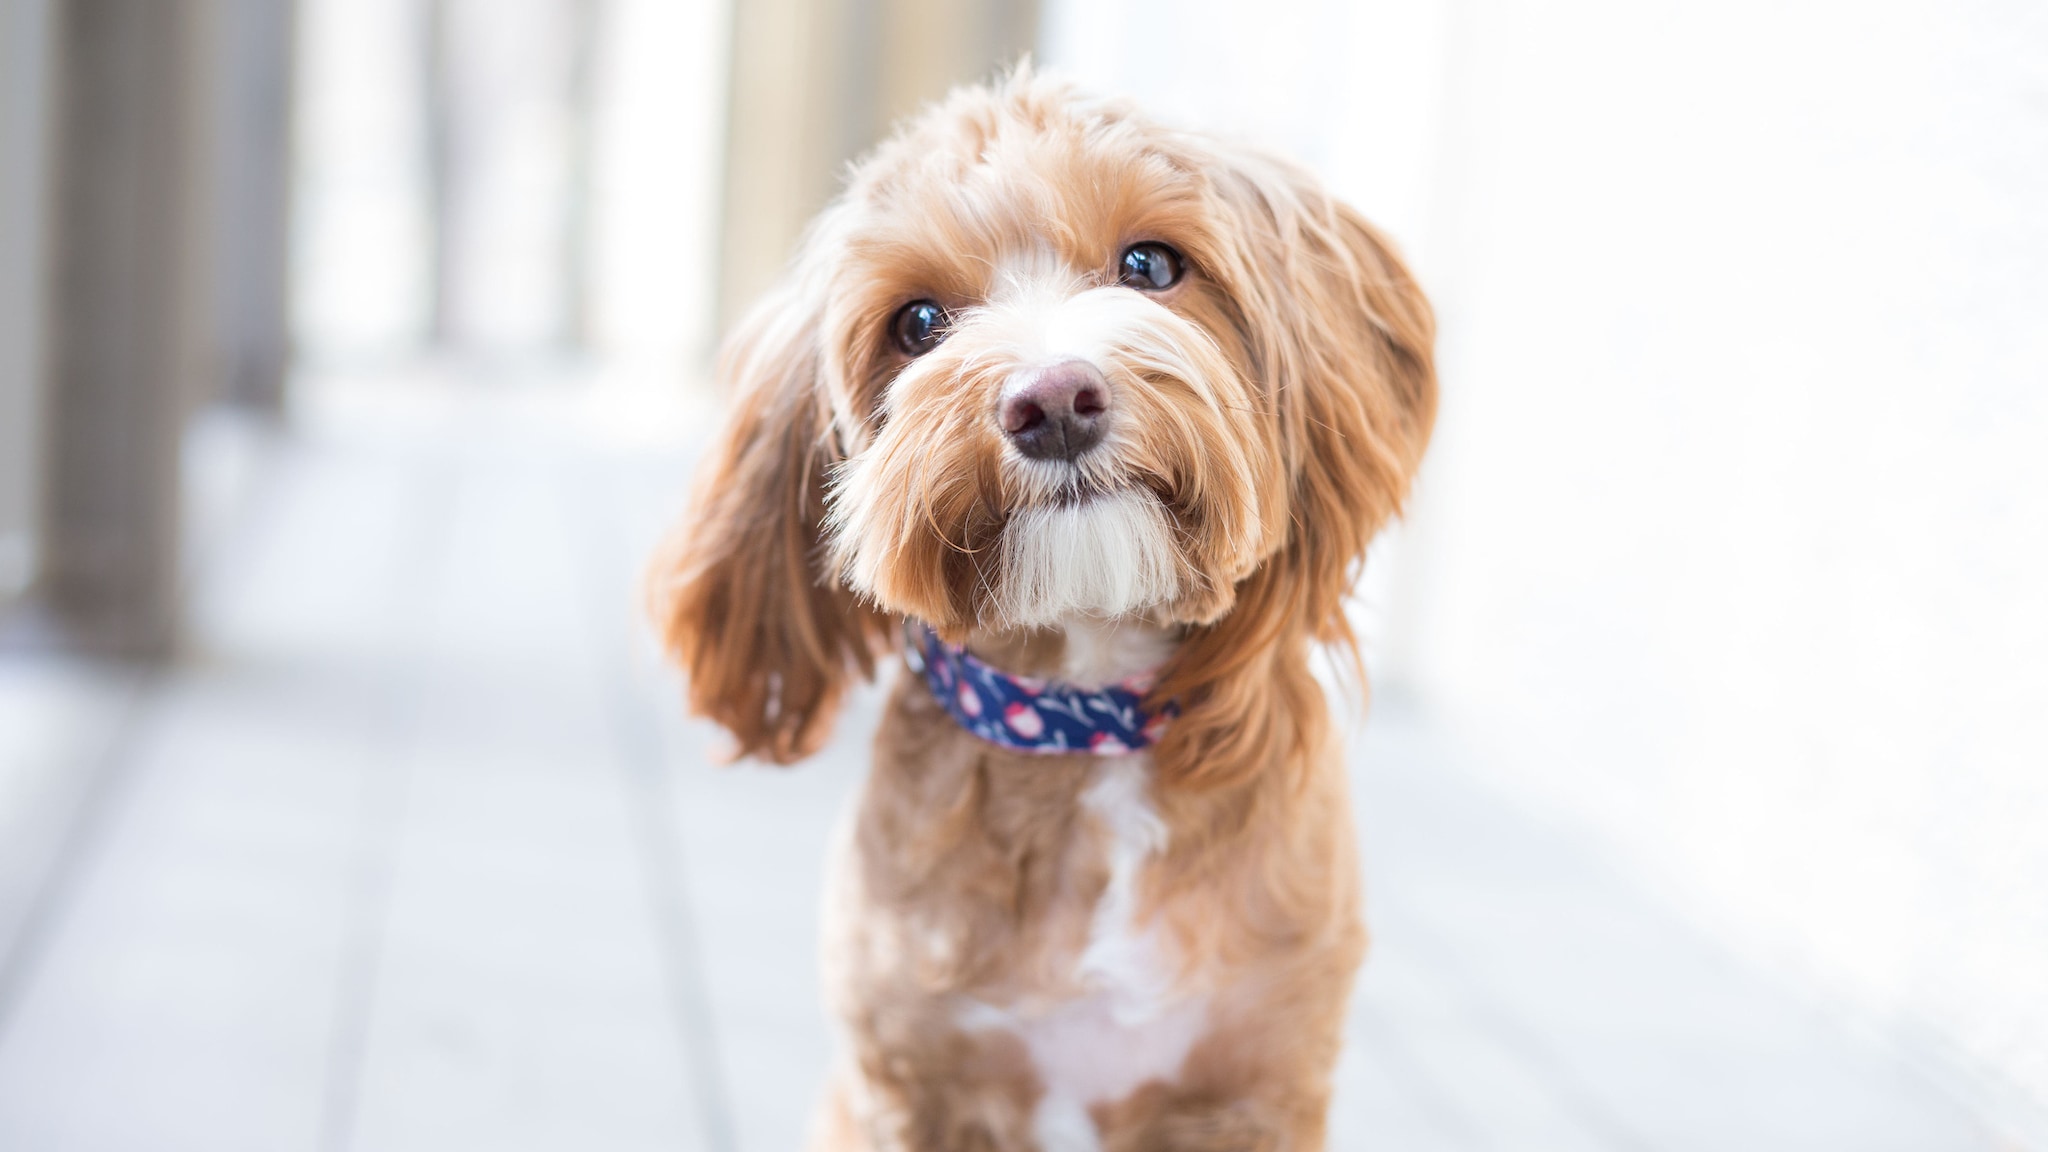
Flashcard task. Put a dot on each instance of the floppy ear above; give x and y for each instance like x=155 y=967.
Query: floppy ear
x=743 y=604
x=1340 y=338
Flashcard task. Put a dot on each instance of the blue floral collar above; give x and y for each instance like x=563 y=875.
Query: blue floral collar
x=1026 y=714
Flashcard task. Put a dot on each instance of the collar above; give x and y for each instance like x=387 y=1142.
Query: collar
x=1026 y=714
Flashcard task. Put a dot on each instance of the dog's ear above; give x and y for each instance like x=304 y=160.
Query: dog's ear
x=1340 y=338
x=743 y=603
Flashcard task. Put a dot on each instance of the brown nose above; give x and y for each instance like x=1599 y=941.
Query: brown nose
x=1057 y=413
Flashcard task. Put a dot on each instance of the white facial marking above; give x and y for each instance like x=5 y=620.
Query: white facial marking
x=1046 y=318
x=1107 y=556
x=1130 y=1026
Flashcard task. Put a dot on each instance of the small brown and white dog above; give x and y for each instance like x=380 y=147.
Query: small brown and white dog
x=1101 y=416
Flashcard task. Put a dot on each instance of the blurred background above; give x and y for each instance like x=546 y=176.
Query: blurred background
x=354 y=353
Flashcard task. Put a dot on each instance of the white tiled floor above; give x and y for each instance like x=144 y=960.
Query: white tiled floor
x=414 y=850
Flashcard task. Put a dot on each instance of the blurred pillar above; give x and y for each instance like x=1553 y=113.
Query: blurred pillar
x=127 y=295
x=509 y=87
x=24 y=51
x=437 y=84
x=250 y=70
x=815 y=83
x=584 y=24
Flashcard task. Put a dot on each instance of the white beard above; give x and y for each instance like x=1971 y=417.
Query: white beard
x=1107 y=557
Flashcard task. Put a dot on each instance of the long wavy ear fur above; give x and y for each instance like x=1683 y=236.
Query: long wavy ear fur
x=1343 y=340
x=741 y=599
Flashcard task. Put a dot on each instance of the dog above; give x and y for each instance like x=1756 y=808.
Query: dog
x=1091 y=421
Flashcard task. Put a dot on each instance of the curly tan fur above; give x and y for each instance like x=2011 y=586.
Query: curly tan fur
x=1272 y=406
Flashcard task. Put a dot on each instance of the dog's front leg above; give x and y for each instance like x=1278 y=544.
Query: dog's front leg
x=840 y=1126
x=945 y=1092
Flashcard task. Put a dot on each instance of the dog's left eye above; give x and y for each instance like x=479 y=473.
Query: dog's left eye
x=1149 y=267
x=918 y=327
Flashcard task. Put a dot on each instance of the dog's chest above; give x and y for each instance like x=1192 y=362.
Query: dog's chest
x=1123 y=1018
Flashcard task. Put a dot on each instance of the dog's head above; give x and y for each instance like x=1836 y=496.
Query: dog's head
x=1044 y=358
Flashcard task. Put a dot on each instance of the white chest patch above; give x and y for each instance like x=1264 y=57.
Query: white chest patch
x=1129 y=1026
x=1101 y=652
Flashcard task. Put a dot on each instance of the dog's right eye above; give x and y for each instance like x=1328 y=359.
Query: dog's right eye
x=1149 y=267
x=918 y=327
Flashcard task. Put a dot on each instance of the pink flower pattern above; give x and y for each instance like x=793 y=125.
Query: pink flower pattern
x=1031 y=715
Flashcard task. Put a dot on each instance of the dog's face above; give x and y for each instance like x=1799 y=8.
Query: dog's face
x=1036 y=346
x=1042 y=359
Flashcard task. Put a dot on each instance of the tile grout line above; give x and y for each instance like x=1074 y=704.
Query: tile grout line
x=667 y=880
x=77 y=848
x=665 y=871
x=1577 y=1100
x=385 y=791
x=22 y=947
x=1381 y=1032
x=380 y=826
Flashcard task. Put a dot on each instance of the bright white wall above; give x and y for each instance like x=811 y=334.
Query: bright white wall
x=1733 y=545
